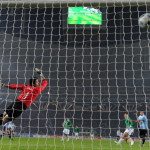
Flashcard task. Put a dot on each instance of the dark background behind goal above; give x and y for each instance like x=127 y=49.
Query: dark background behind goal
x=95 y=74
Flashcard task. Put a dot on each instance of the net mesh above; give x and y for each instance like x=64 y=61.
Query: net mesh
x=95 y=73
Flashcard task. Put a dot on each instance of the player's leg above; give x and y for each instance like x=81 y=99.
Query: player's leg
x=63 y=137
x=76 y=135
x=67 y=134
x=68 y=138
x=130 y=132
x=10 y=130
x=126 y=136
x=64 y=134
x=123 y=137
x=143 y=133
x=119 y=134
x=117 y=138
x=10 y=133
x=15 y=110
x=4 y=115
x=1 y=134
x=92 y=136
x=130 y=140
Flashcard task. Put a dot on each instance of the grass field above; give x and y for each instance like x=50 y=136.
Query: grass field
x=56 y=144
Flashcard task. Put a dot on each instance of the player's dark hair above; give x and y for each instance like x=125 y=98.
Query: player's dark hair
x=141 y=111
x=32 y=81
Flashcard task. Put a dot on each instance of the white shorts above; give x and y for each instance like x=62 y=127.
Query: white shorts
x=66 y=131
x=129 y=131
x=92 y=135
x=76 y=134
x=8 y=126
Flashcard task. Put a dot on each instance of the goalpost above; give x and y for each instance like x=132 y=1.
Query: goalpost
x=94 y=54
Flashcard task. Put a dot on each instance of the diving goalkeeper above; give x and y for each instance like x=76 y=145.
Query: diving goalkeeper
x=27 y=97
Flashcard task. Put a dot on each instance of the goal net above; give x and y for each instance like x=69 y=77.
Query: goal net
x=96 y=59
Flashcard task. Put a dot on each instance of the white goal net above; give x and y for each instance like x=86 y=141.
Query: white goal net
x=96 y=59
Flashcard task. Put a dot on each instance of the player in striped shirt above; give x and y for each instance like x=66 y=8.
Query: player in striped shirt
x=143 y=126
x=28 y=95
x=128 y=131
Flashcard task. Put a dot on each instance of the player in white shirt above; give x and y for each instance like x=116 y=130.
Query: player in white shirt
x=9 y=128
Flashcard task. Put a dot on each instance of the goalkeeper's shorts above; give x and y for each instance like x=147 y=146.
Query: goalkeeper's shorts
x=15 y=109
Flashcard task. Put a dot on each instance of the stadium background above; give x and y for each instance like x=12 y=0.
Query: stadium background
x=95 y=74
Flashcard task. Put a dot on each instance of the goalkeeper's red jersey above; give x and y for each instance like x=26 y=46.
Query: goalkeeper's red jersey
x=28 y=93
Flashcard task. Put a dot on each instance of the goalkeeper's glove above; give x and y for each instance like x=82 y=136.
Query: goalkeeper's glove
x=38 y=70
x=2 y=84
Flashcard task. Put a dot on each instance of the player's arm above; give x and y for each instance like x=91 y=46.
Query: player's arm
x=13 y=86
x=138 y=120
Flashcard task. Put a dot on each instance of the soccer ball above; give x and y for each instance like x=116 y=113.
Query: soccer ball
x=144 y=20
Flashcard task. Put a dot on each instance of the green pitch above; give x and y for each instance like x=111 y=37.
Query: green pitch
x=56 y=144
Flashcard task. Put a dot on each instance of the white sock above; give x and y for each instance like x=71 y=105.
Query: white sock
x=131 y=141
x=120 y=140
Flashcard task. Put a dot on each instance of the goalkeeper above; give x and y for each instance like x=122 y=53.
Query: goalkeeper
x=128 y=131
x=28 y=95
